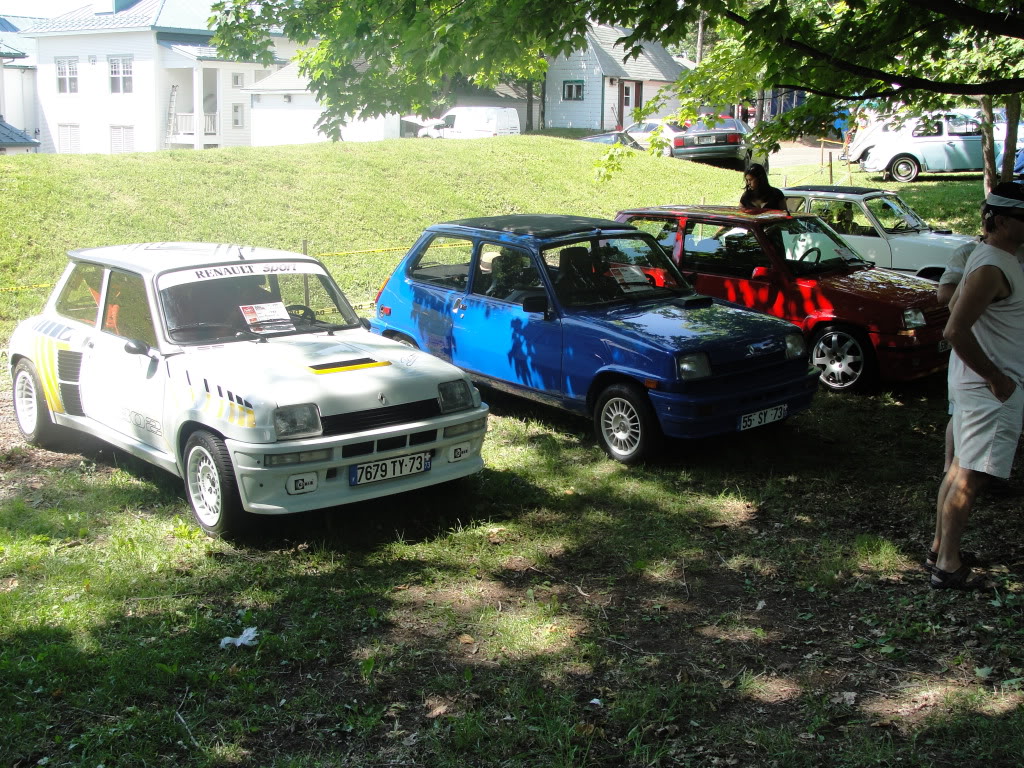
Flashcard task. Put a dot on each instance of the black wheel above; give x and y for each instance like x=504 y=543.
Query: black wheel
x=401 y=338
x=845 y=357
x=625 y=423
x=744 y=162
x=210 y=485
x=30 y=409
x=904 y=168
x=302 y=312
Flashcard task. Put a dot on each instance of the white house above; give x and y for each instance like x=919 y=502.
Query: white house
x=595 y=88
x=18 y=74
x=140 y=75
x=285 y=111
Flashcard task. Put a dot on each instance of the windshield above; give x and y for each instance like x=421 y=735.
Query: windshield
x=810 y=246
x=894 y=215
x=250 y=300
x=597 y=271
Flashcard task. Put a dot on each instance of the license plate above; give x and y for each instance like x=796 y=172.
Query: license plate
x=705 y=139
x=386 y=469
x=762 y=417
x=944 y=346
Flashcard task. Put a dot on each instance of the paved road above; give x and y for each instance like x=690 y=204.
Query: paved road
x=796 y=153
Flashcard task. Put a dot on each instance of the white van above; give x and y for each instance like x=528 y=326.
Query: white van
x=473 y=123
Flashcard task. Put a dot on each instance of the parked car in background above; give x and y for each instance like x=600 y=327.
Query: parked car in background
x=646 y=130
x=471 y=123
x=879 y=226
x=245 y=372
x=725 y=139
x=862 y=323
x=937 y=143
x=591 y=316
x=614 y=137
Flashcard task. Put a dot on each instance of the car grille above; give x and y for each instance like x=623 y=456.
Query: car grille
x=388 y=416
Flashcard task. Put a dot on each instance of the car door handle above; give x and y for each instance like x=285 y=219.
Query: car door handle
x=459 y=305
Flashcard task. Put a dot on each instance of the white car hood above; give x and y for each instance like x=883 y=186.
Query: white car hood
x=350 y=371
x=952 y=241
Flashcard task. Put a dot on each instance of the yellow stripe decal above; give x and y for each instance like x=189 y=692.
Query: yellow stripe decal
x=350 y=367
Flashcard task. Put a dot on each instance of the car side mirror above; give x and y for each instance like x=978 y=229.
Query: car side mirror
x=364 y=322
x=759 y=272
x=136 y=347
x=536 y=304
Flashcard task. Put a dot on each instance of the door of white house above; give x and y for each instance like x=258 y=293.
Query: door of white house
x=630 y=97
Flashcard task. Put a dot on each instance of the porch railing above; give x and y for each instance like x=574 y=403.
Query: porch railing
x=185 y=123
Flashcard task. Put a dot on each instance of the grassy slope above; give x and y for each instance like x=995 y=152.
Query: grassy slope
x=557 y=610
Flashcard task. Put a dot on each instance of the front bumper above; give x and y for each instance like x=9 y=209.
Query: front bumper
x=687 y=416
x=902 y=358
x=271 y=490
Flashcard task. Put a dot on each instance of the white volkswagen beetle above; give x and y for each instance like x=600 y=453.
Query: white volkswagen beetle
x=244 y=371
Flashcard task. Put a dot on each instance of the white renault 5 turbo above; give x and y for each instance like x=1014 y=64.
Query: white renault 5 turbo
x=246 y=372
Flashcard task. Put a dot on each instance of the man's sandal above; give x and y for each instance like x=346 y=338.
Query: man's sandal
x=966 y=558
x=958 y=579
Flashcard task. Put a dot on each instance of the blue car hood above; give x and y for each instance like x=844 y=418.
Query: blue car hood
x=725 y=331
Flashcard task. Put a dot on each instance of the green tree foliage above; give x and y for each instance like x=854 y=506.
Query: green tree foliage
x=371 y=57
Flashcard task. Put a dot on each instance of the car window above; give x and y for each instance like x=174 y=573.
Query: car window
x=927 y=127
x=961 y=125
x=80 y=297
x=722 y=250
x=661 y=229
x=630 y=267
x=444 y=262
x=808 y=245
x=894 y=215
x=796 y=205
x=506 y=274
x=126 y=310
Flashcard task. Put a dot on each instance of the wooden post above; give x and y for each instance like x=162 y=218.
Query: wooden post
x=829 y=167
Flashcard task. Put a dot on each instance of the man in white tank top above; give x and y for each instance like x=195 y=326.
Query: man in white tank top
x=986 y=379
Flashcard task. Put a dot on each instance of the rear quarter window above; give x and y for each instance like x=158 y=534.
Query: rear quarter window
x=444 y=262
x=80 y=297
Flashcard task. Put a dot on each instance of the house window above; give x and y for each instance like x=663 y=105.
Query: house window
x=120 y=74
x=572 y=90
x=238 y=116
x=627 y=95
x=122 y=139
x=237 y=80
x=67 y=139
x=67 y=75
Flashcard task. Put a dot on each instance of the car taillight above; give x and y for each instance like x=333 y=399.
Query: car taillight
x=678 y=141
x=376 y=299
x=732 y=138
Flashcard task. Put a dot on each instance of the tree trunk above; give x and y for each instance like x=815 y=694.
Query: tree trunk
x=759 y=107
x=700 y=37
x=988 y=151
x=1010 y=145
x=529 y=106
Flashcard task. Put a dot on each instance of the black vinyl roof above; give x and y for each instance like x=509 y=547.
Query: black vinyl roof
x=838 y=190
x=540 y=225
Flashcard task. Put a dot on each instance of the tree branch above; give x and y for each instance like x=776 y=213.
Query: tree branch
x=1000 y=24
x=911 y=82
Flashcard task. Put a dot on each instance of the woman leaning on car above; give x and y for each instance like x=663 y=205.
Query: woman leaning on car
x=758 y=192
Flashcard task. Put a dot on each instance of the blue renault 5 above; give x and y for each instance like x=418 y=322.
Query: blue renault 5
x=590 y=315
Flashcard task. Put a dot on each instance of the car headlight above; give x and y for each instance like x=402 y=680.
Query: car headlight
x=913 y=318
x=291 y=421
x=454 y=395
x=796 y=346
x=695 y=366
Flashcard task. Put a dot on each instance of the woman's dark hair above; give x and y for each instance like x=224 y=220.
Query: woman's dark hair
x=759 y=173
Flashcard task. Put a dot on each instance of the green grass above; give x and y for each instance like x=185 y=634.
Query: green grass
x=749 y=600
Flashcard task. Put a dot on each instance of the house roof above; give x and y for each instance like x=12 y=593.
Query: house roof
x=12 y=137
x=655 y=63
x=13 y=43
x=168 y=15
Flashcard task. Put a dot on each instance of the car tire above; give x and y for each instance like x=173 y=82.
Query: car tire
x=625 y=423
x=904 y=168
x=845 y=357
x=210 y=485
x=744 y=162
x=401 y=338
x=35 y=422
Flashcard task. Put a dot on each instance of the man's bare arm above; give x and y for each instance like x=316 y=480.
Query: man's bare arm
x=976 y=292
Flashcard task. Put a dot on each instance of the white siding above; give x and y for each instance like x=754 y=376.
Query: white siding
x=94 y=108
x=559 y=113
x=19 y=106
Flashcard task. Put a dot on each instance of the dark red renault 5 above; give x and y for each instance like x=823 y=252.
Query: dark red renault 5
x=863 y=323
